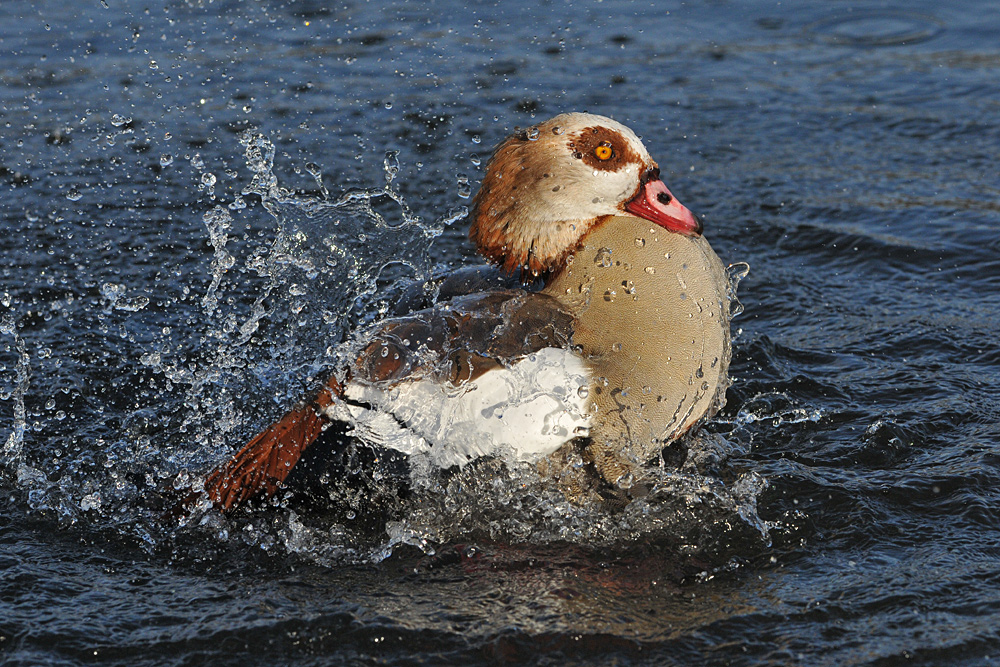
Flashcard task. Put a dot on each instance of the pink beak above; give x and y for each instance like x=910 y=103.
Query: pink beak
x=655 y=203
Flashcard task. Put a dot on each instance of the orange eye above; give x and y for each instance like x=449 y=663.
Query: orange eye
x=604 y=152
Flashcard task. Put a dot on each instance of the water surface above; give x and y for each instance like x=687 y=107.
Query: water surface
x=169 y=284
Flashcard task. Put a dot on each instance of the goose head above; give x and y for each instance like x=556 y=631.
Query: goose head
x=546 y=187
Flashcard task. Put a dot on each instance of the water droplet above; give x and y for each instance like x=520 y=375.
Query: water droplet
x=132 y=304
x=616 y=347
x=208 y=182
x=49 y=404
x=609 y=295
x=91 y=501
x=558 y=130
x=150 y=359
x=388 y=105
x=737 y=272
x=650 y=270
x=475 y=159
x=476 y=139
x=453 y=216
x=640 y=242
x=603 y=258
x=74 y=195
x=464 y=189
x=153 y=65
x=391 y=164
x=166 y=160
x=583 y=391
x=626 y=481
x=118 y=120
x=532 y=134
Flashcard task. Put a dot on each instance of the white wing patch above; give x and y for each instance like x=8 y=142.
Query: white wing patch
x=526 y=411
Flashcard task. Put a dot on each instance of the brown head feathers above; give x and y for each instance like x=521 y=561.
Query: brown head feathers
x=545 y=187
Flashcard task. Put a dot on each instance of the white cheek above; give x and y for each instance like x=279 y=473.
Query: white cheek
x=588 y=192
x=620 y=185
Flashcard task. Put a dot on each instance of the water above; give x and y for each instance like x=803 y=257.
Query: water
x=167 y=287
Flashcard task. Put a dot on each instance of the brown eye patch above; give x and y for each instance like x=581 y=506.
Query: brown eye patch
x=602 y=148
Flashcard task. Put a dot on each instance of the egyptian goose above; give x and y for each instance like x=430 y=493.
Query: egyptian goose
x=619 y=349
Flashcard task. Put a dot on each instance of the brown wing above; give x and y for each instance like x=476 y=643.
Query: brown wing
x=424 y=294
x=455 y=341
x=462 y=338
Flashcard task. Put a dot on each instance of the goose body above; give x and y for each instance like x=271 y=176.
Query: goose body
x=621 y=346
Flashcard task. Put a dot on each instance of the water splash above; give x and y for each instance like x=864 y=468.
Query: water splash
x=735 y=273
x=218 y=221
x=267 y=317
x=346 y=254
x=273 y=308
x=691 y=514
x=12 y=453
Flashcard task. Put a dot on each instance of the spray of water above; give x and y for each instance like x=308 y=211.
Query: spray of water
x=272 y=317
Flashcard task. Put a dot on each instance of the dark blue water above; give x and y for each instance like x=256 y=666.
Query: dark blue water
x=169 y=283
